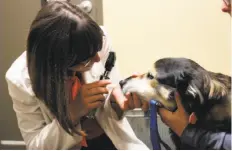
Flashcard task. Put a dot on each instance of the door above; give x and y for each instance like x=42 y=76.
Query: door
x=15 y=20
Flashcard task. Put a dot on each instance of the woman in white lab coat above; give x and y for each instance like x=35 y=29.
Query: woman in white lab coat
x=67 y=49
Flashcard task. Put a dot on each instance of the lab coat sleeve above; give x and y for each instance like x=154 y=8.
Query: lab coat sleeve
x=36 y=132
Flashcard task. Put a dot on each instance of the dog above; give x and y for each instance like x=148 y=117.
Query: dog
x=205 y=93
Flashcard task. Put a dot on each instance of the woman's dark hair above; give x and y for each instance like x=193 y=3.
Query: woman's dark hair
x=61 y=36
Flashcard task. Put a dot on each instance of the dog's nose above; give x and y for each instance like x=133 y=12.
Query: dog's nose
x=122 y=83
x=150 y=76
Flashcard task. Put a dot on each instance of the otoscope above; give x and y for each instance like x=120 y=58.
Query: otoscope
x=108 y=67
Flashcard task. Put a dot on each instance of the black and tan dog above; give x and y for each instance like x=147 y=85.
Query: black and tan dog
x=205 y=93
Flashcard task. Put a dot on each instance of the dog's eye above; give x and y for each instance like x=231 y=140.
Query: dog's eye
x=150 y=76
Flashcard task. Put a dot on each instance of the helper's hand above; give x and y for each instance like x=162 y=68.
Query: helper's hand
x=90 y=96
x=177 y=120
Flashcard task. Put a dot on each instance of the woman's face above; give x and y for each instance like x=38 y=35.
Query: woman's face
x=85 y=65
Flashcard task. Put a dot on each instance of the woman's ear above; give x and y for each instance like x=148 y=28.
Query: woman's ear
x=71 y=73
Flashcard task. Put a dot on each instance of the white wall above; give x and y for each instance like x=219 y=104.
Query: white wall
x=143 y=31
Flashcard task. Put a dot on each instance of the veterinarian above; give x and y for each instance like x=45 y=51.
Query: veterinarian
x=55 y=83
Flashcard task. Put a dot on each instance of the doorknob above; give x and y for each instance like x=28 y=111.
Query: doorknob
x=86 y=6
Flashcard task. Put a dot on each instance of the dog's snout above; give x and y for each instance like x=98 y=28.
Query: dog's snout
x=150 y=76
x=122 y=83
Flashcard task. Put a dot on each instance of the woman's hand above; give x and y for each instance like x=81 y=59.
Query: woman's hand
x=129 y=101
x=90 y=96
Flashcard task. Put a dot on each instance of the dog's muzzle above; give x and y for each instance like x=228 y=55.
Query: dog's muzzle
x=123 y=82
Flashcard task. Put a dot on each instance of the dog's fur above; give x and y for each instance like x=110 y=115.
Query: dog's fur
x=205 y=93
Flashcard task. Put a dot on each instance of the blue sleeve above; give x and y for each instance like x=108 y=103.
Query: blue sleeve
x=202 y=139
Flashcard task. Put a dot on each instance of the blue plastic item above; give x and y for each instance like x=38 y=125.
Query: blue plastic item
x=154 y=134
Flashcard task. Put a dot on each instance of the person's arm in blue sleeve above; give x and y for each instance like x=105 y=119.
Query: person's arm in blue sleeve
x=203 y=139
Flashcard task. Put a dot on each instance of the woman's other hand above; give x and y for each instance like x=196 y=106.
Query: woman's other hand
x=129 y=101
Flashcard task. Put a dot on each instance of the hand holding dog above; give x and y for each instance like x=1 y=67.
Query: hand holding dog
x=177 y=120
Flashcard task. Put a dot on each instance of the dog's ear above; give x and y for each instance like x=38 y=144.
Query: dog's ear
x=182 y=83
x=182 y=80
x=190 y=94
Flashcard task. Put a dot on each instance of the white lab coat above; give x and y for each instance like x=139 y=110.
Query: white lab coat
x=39 y=128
